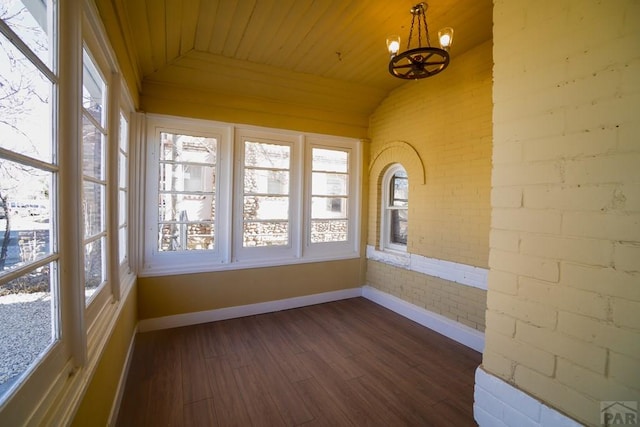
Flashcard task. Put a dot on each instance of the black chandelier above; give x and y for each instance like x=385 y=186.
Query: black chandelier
x=421 y=61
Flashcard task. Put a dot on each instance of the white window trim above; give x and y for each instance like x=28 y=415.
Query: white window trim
x=51 y=390
x=232 y=255
x=168 y=262
x=385 y=220
x=248 y=255
x=351 y=247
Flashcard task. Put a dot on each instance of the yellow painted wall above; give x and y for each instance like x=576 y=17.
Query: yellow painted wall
x=439 y=129
x=171 y=295
x=445 y=123
x=287 y=100
x=101 y=392
x=563 y=319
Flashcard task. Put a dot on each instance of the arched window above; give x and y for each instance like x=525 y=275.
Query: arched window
x=395 y=213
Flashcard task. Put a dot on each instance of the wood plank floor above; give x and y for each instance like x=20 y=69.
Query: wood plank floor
x=344 y=363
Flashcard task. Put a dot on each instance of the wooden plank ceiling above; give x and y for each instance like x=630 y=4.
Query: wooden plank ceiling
x=258 y=47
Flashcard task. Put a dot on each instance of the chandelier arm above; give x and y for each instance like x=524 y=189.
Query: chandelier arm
x=435 y=63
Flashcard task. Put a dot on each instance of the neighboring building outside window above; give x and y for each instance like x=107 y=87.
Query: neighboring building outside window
x=329 y=195
x=395 y=209
x=266 y=198
x=187 y=208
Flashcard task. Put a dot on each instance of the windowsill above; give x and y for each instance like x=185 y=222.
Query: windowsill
x=463 y=274
x=389 y=256
x=170 y=269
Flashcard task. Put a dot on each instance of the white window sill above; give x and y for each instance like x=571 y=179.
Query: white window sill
x=215 y=266
x=397 y=258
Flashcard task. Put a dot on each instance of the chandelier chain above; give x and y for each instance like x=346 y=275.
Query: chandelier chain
x=426 y=28
x=413 y=19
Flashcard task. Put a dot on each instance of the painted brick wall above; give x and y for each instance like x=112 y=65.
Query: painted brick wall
x=446 y=119
x=563 y=319
x=461 y=303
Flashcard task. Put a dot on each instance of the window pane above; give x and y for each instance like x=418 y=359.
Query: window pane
x=257 y=234
x=29 y=321
x=184 y=207
x=25 y=105
x=328 y=231
x=399 y=190
x=29 y=20
x=328 y=207
x=183 y=236
x=330 y=160
x=266 y=216
x=187 y=148
x=123 y=141
x=399 y=224
x=93 y=90
x=123 y=202
x=122 y=207
x=94 y=266
x=122 y=170
x=187 y=166
x=329 y=179
x=92 y=150
x=263 y=181
x=122 y=244
x=92 y=208
x=187 y=177
x=271 y=156
x=329 y=184
x=266 y=208
x=25 y=212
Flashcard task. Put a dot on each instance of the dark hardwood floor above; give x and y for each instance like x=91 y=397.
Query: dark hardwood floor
x=345 y=363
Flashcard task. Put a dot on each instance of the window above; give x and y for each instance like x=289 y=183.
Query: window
x=123 y=189
x=395 y=217
x=58 y=203
x=286 y=207
x=94 y=140
x=29 y=257
x=329 y=195
x=266 y=202
x=184 y=206
x=187 y=192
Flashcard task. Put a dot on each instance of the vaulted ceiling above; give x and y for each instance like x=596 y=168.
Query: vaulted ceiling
x=330 y=52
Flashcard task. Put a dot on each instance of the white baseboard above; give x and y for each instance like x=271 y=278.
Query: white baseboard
x=443 y=325
x=186 y=319
x=115 y=408
x=456 y=331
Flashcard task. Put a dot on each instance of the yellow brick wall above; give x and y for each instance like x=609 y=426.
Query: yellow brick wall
x=446 y=122
x=563 y=319
x=461 y=303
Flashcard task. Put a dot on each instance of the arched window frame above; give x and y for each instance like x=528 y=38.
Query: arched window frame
x=388 y=208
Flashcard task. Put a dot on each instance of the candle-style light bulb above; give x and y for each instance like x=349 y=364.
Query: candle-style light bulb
x=393 y=44
x=445 y=36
